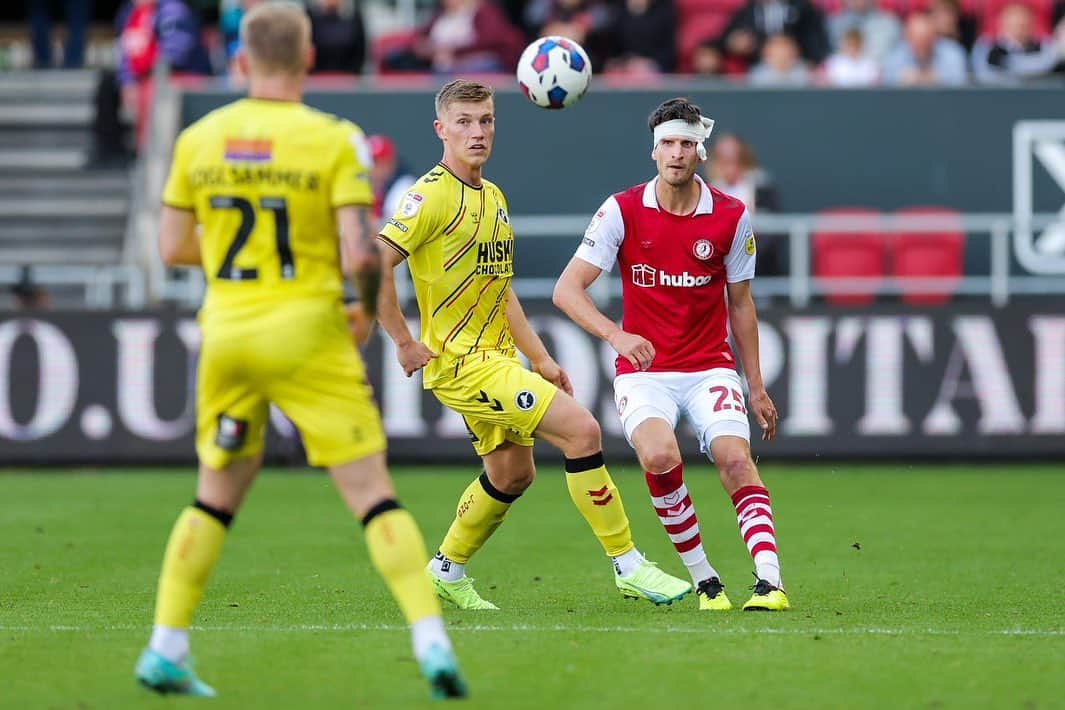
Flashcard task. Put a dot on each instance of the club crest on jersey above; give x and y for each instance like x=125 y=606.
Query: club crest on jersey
x=412 y=202
x=703 y=249
x=525 y=400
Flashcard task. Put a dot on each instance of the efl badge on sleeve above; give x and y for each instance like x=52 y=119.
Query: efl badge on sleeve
x=412 y=202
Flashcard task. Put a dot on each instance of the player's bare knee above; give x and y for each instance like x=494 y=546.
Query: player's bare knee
x=514 y=481
x=660 y=459
x=737 y=470
x=585 y=436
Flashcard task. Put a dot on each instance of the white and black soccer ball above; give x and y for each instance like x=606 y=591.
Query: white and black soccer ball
x=554 y=72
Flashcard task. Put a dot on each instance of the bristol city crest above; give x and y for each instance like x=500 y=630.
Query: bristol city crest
x=703 y=249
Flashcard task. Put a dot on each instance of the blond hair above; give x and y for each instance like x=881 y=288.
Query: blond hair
x=461 y=90
x=276 y=36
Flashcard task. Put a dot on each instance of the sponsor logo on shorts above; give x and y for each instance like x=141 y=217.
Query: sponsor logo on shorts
x=232 y=433
x=703 y=249
x=622 y=403
x=525 y=400
x=589 y=241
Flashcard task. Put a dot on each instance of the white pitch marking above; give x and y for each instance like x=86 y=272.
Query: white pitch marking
x=495 y=628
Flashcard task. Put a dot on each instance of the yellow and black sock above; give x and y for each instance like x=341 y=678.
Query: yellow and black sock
x=480 y=512
x=598 y=499
x=398 y=552
x=191 y=553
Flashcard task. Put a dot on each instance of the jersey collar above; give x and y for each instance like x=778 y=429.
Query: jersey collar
x=706 y=200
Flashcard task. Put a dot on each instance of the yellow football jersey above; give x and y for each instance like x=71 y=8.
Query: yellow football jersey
x=264 y=178
x=460 y=249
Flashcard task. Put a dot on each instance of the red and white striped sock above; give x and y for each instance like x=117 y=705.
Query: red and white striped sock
x=674 y=507
x=756 y=527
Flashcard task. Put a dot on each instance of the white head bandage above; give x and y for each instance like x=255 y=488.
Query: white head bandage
x=679 y=128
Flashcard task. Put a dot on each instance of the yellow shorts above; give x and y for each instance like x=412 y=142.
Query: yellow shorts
x=499 y=399
x=298 y=355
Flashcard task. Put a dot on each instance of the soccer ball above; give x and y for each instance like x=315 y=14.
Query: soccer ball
x=554 y=72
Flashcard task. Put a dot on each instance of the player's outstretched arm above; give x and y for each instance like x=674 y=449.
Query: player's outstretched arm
x=413 y=355
x=179 y=244
x=571 y=297
x=743 y=320
x=530 y=344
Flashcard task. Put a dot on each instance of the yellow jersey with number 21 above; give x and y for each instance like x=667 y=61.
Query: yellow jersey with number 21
x=264 y=179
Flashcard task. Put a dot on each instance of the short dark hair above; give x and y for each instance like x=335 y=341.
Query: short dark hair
x=461 y=90
x=679 y=107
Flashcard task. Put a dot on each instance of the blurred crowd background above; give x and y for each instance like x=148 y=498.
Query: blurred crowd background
x=845 y=43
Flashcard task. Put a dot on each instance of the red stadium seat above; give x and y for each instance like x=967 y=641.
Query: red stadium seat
x=694 y=31
x=858 y=253
x=937 y=253
x=385 y=44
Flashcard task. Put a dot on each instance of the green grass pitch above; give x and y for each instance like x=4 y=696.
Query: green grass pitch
x=911 y=586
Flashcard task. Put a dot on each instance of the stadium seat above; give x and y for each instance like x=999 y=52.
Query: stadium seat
x=385 y=44
x=697 y=29
x=936 y=253
x=857 y=253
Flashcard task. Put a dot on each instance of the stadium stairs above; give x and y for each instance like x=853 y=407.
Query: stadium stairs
x=57 y=209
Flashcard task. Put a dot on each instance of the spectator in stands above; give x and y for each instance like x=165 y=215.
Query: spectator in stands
x=851 y=67
x=880 y=30
x=733 y=168
x=230 y=14
x=644 y=34
x=780 y=65
x=148 y=30
x=1016 y=54
x=462 y=36
x=28 y=294
x=338 y=35
x=707 y=59
x=954 y=23
x=391 y=178
x=750 y=26
x=924 y=59
x=41 y=17
x=587 y=22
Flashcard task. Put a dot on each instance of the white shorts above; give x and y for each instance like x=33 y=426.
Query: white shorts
x=711 y=400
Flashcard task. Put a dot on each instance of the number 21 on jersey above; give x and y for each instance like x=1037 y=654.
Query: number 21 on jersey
x=247 y=210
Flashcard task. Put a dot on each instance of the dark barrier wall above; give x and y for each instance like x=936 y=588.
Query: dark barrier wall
x=876 y=148
x=107 y=388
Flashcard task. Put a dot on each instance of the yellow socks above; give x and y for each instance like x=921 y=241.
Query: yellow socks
x=191 y=553
x=596 y=496
x=398 y=552
x=481 y=510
